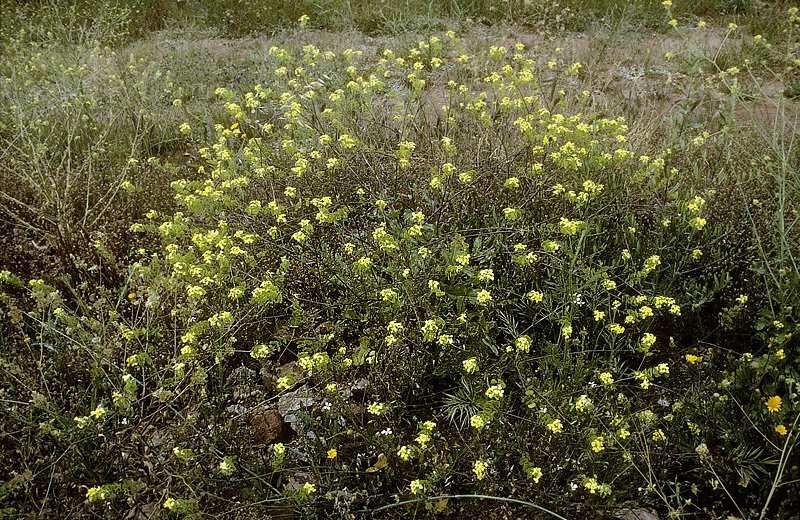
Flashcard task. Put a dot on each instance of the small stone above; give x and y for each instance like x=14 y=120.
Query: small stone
x=268 y=426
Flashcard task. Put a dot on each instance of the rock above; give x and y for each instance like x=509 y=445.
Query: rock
x=242 y=384
x=268 y=426
x=148 y=511
x=296 y=481
x=359 y=384
x=343 y=501
x=236 y=409
x=242 y=376
x=290 y=369
x=271 y=372
x=268 y=373
x=294 y=401
x=290 y=403
x=635 y=514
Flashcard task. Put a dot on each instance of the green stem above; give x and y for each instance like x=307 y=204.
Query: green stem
x=781 y=467
x=485 y=497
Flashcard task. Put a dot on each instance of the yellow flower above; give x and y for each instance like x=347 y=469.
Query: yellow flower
x=616 y=328
x=477 y=422
x=332 y=453
x=583 y=403
x=479 y=468
x=774 y=403
x=781 y=429
x=523 y=344
x=535 y=474
x=555 y=426
x=95 y=494
x=470 y=365
x=535 y=296
x=404 y=452
x=694 y=359
x=484 y=297
x=377 y=408
x=227 y=467
x=496 y=391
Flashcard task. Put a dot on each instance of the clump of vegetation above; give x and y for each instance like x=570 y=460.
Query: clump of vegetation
x=400 y=281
